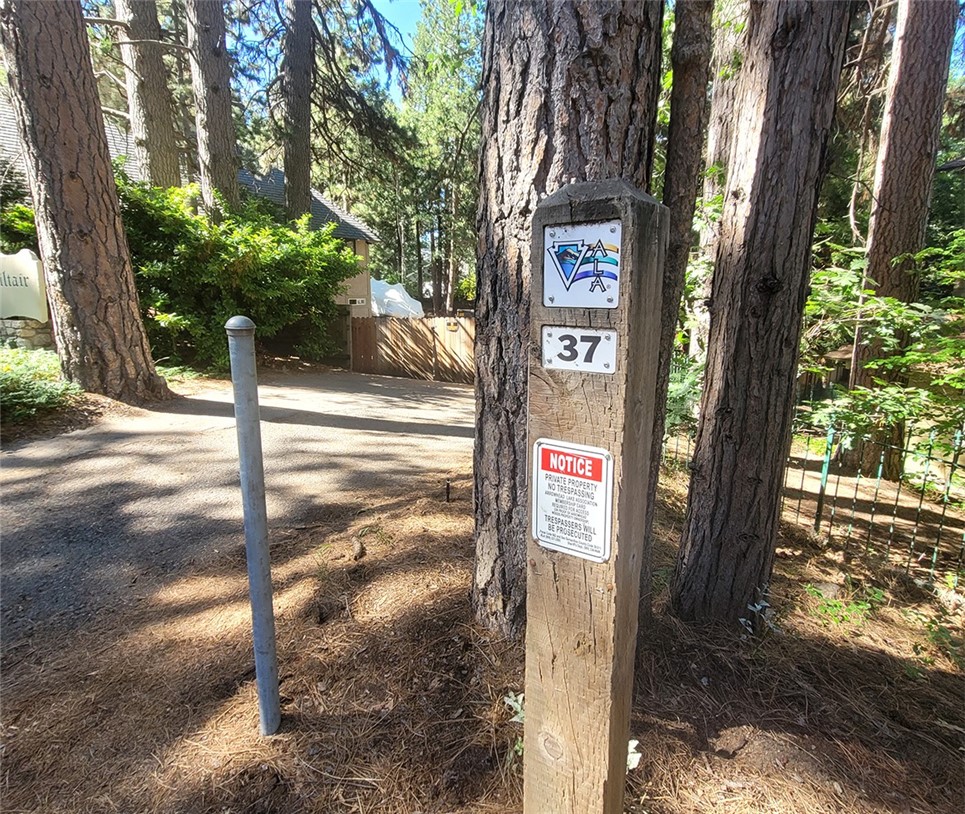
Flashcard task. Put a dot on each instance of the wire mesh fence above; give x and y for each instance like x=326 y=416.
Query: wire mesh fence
x=837 y=487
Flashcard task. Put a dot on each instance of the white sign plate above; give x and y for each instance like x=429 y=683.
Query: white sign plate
x=584 y=349
x=572 y=498
x=22 y=289
x=581 y=265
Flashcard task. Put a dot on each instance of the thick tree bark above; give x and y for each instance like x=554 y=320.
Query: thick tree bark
x=149 y=100
x=90 y=283
x=298 y=69
x=904 y=172
x=785 y=104
x=211 y=79
x=690 y=60
x=729 y=26
x=570 y=93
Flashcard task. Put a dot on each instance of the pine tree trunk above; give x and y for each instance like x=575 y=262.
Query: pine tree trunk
x=570 y=92
x=730 y=19
x=420 y=281
x=90 y=283
x=785 y=102
x=690 y=60
x=437 y=269
x=910 y=131
x=297 y=75
x=184 y=96
x=211 y=79
x=400 y=236
x=149 y=100
x=453 y=279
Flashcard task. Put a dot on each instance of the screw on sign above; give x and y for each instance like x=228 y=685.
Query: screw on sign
x=597 y=261
x=573 y=499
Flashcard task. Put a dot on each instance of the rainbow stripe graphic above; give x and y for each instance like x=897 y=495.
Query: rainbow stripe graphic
x=577 y=260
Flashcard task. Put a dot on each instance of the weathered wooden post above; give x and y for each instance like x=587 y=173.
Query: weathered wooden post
x=598 y=251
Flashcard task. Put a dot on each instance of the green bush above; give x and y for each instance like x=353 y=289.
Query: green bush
x=30 y=384
x=17 y=229
x=193 y=274
x=683 y=393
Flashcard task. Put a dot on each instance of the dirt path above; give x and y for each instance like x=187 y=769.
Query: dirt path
x=104 y=517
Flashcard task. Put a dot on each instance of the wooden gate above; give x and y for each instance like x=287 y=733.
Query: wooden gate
x=433 y=348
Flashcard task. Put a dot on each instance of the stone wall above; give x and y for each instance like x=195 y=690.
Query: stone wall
x=25 y=333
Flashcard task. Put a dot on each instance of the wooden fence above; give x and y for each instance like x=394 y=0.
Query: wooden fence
x=434 y=348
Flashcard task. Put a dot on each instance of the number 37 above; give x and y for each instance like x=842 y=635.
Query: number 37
x=586 y=350
x=570 y=353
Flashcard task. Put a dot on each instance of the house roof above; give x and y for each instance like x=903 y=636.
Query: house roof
x=120 y=143
x=323 y=211
x=270 y=186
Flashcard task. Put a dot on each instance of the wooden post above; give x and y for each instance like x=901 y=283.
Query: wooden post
x=598 y=250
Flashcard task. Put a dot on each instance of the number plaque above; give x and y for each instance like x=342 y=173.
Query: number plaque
x=584 y=349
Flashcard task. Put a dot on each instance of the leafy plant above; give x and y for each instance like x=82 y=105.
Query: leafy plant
x=918 y=375
x=193 y=274
x=854 y=609
x=515 y=702
x=17 y=230
x=942 y=636
x=31 y=384
x=683 y=393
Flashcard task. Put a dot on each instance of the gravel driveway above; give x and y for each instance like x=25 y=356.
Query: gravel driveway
x=97 y=519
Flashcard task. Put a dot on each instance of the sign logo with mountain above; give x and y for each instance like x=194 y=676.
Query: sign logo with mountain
x=577 y=260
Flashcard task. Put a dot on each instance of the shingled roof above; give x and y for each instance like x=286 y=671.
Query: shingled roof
x=323 y=211
x=270 y=186
x=119 y=142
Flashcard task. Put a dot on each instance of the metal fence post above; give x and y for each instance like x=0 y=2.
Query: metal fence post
x=825 y=466
x=241 y=348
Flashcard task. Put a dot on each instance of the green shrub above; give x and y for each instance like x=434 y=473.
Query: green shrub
x=30 y=384
x=683 y=393
x=193 y=274
x=17 y=230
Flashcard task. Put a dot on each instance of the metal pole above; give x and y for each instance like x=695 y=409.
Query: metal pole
x=241 y=348
x=825 y=466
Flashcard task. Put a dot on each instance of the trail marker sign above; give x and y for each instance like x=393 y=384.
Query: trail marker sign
x=595 y=301
x=581 y=265
x=573 y=498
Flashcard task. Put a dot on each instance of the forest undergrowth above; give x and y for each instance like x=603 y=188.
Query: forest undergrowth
x=394 y=701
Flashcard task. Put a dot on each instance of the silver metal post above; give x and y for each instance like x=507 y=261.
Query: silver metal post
x=241 y=348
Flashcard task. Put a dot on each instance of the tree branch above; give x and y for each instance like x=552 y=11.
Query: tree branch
x=175 y=45
x=106 y=21
x=109 y=111
x=113 y=77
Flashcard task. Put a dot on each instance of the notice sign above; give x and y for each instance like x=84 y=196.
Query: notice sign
x=572 y=499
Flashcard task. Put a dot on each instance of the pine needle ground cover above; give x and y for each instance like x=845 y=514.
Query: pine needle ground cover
x=394 y=701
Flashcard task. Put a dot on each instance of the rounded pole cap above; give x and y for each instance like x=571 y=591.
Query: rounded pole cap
x=239 y=325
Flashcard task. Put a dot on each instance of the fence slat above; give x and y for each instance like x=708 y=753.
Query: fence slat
x=433 y=348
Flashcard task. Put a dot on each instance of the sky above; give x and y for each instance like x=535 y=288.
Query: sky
x=403 y=14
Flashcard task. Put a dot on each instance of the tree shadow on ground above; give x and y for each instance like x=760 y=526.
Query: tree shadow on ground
x=392 y=697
